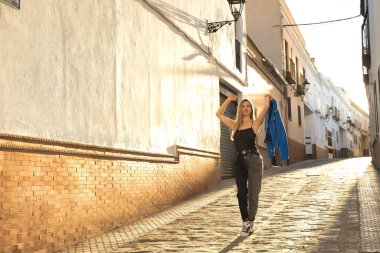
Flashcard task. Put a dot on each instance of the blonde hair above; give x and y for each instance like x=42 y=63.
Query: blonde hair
x=239 y=116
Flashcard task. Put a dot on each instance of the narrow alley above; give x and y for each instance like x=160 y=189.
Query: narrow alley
x=314 y=206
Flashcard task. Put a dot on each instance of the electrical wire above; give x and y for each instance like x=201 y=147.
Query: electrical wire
x=322 y=22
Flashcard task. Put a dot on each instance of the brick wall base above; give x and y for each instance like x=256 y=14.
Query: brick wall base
x=346 y=153
x=54 y=194
x=296 y=151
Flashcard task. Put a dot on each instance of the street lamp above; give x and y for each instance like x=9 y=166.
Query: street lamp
x=349 y=124
x=306 y=86
x=12 y=3
x=236 y=8
x=329 y=112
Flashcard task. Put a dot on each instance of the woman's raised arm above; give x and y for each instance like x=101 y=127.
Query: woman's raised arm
x=260 y=119
x=224 y=119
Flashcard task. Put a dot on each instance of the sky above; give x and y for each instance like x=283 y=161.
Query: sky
x=336 y=47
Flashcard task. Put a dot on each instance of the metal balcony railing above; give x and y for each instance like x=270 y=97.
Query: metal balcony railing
x=291 y=73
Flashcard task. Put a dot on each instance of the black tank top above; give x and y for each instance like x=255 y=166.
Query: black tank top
x=245 y=139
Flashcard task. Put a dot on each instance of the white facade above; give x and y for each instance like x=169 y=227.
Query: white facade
x=315 y=134
x=370 y=9
x=316 y=123
x=140 y=75
x=335 y=125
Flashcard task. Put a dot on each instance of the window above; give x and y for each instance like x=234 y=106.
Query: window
x=297 y=71
x=366 y=47
x=289 y=108
x=329 y=139
x=299 y=115
x=286 y=55
x=302 y=77
x=238 y=53
x=376 y=109
x=337 y=138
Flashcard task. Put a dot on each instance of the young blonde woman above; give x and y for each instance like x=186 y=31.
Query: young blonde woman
x=249 y=163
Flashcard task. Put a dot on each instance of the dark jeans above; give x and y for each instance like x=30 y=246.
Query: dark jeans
x=249 y=169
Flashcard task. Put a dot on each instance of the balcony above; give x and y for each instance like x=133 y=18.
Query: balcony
x=329 y=142
x=364 y=132
x=291 y=73
x=336 y=114
x=366 y=49
x=336 y=118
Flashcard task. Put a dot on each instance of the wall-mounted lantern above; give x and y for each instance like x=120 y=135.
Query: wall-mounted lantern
x=329 y=112
x=306 y=86
x=236 y=8
x=349 y=124
x=301 y=90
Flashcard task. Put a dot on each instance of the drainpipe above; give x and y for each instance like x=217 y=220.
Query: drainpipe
x=285 y=88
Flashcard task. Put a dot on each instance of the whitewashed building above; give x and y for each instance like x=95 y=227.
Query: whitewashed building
x=335 y=126
x=370 y=10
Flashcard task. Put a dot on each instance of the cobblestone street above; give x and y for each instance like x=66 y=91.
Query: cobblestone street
x=314 y=206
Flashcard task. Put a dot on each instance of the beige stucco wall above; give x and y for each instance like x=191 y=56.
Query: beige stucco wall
x=114 y=73
x=296 y=131
x=262 y=16
x=262 y=81
x=263 y=27
x=296 y=50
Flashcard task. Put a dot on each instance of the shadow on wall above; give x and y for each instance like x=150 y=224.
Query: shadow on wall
x=166 y=11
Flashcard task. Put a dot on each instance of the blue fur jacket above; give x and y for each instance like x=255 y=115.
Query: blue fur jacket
x=275 y=133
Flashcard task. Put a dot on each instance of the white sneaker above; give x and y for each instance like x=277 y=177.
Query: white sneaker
x=251 y=230
x=245 y=229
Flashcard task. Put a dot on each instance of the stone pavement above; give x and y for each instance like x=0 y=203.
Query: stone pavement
x=315 y=206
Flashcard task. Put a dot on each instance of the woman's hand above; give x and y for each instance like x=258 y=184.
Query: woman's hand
x=270 y=96
x=224 y=119
x=232 y=98
x=259 y=121
x=267 y=100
